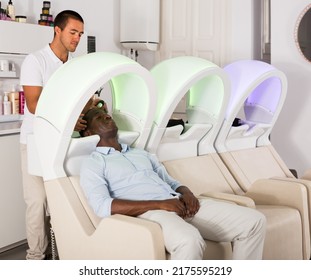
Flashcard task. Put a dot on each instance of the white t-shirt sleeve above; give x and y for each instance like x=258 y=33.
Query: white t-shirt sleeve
x=31 y=72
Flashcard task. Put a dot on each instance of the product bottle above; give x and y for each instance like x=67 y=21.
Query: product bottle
x=11 y=10
x=1 y=104
x=21 y=101
x=7 y=107
x=14 y=99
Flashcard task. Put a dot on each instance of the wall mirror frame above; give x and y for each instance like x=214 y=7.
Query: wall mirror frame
x=302 y=33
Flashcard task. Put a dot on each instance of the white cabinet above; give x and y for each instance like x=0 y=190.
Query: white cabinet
x=12 y=214
x=24 y=38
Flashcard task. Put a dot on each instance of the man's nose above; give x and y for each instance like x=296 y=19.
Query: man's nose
x=77 y=38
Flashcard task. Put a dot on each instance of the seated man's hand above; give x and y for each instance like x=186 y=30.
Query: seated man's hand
x=174 y=205
x=191 y=203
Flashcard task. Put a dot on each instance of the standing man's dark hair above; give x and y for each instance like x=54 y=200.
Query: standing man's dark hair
x=62 y=18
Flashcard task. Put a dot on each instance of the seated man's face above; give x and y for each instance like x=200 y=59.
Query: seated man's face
x=100 y=123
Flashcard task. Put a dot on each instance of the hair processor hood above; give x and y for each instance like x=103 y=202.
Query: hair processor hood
x=67 y=92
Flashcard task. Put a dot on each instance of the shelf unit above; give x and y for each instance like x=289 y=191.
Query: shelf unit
x=8 y=74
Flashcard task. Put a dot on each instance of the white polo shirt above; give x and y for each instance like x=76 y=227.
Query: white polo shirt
x=36 y=70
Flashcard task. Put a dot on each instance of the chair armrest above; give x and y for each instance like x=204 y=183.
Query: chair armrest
x=307 y=185
x=307 y=175
x=305 y=182
x=279 y=192
x=128 y=238
x=233 y=198
x=289 y=193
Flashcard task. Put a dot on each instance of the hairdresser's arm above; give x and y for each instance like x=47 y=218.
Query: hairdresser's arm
x=32 y=94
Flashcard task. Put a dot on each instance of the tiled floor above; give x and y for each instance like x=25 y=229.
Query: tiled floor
x=18 y=253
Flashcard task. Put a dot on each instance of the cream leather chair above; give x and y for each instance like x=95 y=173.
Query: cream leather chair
x=205 y=173
x=206 y=89
x=258 y=93
x=56 y=156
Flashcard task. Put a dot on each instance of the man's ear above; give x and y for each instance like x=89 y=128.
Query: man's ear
x=57 y=30
x=87 y=132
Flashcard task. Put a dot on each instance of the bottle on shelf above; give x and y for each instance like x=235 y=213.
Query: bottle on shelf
x=14 y=99
x=1 y=97
x=7 y=106
x=11 y=10
x=1 y=104
x=21 y=101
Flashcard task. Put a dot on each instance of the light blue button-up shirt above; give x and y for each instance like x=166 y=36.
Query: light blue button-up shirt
x=132 y=174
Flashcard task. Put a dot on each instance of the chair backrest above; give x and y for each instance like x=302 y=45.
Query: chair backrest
x=80 y=149
x=249 y=165
x=206 y=89
x=206 y=173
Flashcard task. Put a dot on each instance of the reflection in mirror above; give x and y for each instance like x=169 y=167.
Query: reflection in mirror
x=303 y=33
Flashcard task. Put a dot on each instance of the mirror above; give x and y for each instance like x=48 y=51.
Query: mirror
x=303 y=33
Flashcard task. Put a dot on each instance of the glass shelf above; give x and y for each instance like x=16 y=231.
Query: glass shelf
x=11 y=118
x=8 y=74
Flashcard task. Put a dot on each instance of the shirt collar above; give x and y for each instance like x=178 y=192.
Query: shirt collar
x=109 y=150
x=54 y=56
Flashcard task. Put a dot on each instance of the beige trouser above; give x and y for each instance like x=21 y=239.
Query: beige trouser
x=216 y=221
x=37 y=218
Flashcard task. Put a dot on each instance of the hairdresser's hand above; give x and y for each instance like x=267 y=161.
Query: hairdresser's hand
x=103 y=104
x=80 y=124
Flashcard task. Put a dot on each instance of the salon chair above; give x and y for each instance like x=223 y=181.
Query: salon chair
x=208 y=95
x=258 y=92
x=56 y=156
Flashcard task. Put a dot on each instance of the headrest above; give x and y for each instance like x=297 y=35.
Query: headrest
x=79 y=149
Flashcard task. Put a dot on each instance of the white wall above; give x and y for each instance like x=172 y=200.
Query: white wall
x=245 y=38
x=101 y=18
x=291 y=135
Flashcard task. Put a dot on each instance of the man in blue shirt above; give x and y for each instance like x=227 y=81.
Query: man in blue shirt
x=117 y=179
